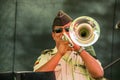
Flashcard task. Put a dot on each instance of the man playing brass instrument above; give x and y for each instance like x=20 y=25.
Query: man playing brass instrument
x=69 y=63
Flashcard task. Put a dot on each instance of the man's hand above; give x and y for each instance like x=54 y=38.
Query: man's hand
x=63 y=47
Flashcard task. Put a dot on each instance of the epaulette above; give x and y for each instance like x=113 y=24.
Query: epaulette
x=47 y=51
x=91 y=51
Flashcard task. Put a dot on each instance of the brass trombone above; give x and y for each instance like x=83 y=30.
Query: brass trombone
x=84 y=31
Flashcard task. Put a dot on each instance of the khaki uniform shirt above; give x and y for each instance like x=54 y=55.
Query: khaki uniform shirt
x=70 y=67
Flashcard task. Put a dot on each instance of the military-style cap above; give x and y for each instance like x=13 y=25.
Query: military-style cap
x=61 y=19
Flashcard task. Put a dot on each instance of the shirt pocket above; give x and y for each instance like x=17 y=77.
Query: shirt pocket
x=80 y=69
x=58 y=71
x=58 y=68
x=81 y=73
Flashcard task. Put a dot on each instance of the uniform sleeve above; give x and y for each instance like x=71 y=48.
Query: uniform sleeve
x=41 y=60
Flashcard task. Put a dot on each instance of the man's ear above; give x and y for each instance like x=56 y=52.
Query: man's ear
x=53 y=35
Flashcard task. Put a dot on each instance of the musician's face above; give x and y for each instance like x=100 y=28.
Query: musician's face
x=59 y=30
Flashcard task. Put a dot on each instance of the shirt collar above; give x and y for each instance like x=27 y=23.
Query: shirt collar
x=54 y=51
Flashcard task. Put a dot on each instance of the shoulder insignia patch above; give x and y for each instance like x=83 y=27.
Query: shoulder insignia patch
x=47 y=51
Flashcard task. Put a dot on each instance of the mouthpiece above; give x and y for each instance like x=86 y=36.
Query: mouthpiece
x=64 y=38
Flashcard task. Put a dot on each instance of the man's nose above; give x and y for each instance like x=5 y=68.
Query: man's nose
x=64 y=31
